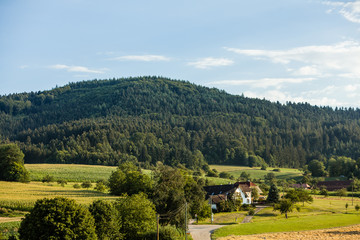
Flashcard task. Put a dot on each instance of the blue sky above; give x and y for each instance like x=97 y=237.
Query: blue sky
x=281 y=50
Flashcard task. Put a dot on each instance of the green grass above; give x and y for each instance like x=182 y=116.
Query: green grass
x=69 y=172
x=322 y=213
x=291 y=224
x=226 y=218
x=256 y=172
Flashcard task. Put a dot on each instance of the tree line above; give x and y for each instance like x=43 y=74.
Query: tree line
x=154 y=119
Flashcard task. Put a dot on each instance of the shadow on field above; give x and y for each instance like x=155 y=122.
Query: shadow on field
x=344 y=233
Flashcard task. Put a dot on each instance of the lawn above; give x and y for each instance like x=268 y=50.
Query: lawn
x=226 y=218
x=322 y=213
x=256 y=172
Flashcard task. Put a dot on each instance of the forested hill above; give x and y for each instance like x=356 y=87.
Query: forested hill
x=152 y=119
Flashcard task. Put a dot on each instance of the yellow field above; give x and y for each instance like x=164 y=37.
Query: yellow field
x=28 y=193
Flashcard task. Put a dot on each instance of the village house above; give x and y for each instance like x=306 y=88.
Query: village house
x=220 y=193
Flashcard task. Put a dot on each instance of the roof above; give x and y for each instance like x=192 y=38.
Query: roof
x=230 y=188
x=218 y=198
x=335 y=185
x=296 y=185
x=220 y=189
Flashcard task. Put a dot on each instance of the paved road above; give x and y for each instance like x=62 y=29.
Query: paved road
x=202 y=232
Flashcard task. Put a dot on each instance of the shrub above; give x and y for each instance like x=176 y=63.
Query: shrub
x=225 y=175
x=57 y=218
x=251 y=212
x=76 y=185
x=62 y=182
x=48 y=179
x=86 y=184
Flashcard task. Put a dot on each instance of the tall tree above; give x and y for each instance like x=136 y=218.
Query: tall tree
x=12 y=164
x=58 y=218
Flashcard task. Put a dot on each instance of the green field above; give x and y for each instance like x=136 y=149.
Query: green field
x=256 y=172
x=322 y=213
x=69 y=172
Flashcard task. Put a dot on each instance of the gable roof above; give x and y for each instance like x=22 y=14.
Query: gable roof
x=230 y=188
x=220 y=189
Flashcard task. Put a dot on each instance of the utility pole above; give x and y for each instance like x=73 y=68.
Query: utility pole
x=157 y=226
x=186 y=227
x=211 y=217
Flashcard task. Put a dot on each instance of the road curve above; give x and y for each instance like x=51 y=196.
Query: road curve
x=202 y=232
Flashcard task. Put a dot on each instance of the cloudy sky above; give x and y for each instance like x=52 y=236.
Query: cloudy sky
x=280 y=50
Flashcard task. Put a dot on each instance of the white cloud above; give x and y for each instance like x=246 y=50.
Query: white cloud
x=351 y=87
x=308 y=71
x=340 y=58
x=262 y=83
x=283 y=97
x=350 y=10
x=24 y=66
x=75 y=68
x=209 y=62
x=143 y=58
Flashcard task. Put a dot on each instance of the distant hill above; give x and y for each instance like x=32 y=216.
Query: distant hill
x=151 y=119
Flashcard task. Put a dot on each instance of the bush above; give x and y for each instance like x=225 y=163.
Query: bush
x=48 y=179
x=62 y=182
x=276 y=170
x=212 y=173
x=86 y=184
x=58 y=218
x=225 y=175
x=76 y=185
x=251 y=212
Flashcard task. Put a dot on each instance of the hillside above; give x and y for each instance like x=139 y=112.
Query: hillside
x=151 y=119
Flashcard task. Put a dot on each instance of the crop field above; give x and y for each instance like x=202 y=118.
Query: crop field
x=69 y=172
x=256 y=172
x=322 y=213
x=22 y=196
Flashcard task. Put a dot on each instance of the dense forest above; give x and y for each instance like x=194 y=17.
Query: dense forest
x=154 y=119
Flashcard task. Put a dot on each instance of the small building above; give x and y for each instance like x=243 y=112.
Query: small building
x=303 y=185
x=335 y=185
x=220 y=193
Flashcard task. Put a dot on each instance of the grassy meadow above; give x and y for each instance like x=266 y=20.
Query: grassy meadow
x=256 y=172
x=322 y=213
x=69 y=172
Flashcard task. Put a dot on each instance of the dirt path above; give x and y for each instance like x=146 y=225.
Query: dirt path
x=343 y=233
x=248 y=218
x=10 y=219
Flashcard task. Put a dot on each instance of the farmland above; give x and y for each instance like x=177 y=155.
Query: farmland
x=256 y=172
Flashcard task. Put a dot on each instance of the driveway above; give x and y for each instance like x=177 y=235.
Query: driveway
x=202 y=232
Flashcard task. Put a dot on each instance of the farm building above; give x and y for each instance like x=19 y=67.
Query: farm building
x=220 y=193
x=303 y=185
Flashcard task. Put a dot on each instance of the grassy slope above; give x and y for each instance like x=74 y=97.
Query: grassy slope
x=322 y=213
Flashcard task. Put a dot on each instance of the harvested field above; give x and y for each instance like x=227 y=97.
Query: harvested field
x=343 y=233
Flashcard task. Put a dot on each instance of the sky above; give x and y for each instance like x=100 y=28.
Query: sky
x=280 y=50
